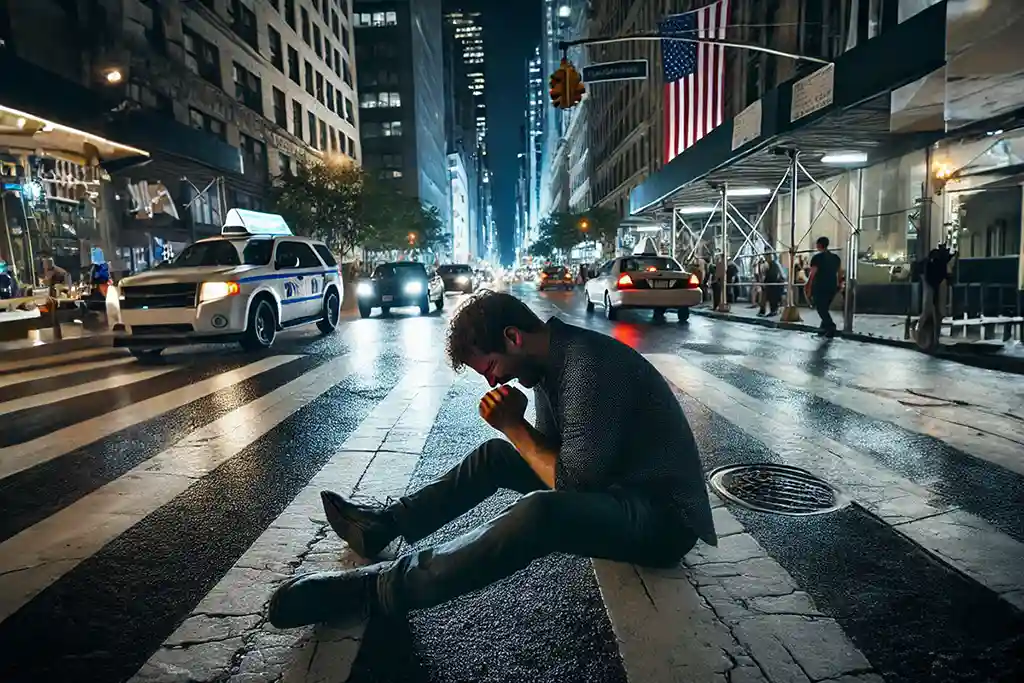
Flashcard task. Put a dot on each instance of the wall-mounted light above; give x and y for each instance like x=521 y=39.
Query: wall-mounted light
x=113 y=76
x=843 y=158
x=748 y=192
x=696 y=210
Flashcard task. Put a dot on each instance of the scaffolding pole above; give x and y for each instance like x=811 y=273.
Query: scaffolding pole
x=791 y=314
x=723 y=272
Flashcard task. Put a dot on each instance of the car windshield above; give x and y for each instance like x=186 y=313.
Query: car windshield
x=554 y=271
x=212 y=253
x=651 y=263
x=402 y=270
x=455 y=270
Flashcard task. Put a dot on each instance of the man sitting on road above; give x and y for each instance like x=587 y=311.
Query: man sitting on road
x=611 y=470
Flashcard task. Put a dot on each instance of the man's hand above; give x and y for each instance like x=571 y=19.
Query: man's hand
x=503 y=408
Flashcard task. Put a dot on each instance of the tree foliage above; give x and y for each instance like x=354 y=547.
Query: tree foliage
x=339 y=203
x=560 y=232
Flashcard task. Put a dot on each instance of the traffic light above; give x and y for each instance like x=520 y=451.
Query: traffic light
x=559 y=92
x=584 y=224
x=575 y=88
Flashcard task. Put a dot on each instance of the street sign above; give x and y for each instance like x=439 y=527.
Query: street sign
x=628 y=70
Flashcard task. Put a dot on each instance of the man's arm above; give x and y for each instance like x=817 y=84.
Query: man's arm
x=532 y=447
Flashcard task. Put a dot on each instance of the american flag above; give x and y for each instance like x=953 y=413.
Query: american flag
x=694 y=75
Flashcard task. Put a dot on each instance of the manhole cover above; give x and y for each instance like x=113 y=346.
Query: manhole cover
x=779 y=489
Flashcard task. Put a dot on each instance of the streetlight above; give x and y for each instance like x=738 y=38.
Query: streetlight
x=564 y=12
x=114 y=76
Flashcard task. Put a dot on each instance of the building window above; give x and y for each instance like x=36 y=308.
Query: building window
x=335 y=25
x=344 y=41
x=203 y=121
x=254 y=154
x=280 y=108
x=309 y=79
x=327 y=53
x=289 y=12
x=325 y=12
x=305 y=26
x=320 y=87
x=312 y=128
x=248 y=88
x=388 y=99
x=318 y=47
x=330 y=98
x=371 y=129
x=337 y=62
x=333 y=134
x=323 y=136
x=284 y=165
x=350 y=112
x=351 y=146
x=202 y=57
x=293 y=65
x=346 y=73
x=276 y=4
x=243 y=22
x=276 y=53
x=297 y=119
x=391 y=129
x=390 y=18
x=390 y=173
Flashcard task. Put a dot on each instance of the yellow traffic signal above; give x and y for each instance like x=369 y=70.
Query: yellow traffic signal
x=574 y=85
x=559 y=93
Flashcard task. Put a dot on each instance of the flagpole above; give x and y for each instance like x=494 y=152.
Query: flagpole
x=564 y=45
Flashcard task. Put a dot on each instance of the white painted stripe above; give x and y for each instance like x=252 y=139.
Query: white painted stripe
x=42 y=553
x=962 y=540
x=298 y=537
x=56 y=359
x=985 y=435
x=14 y=459
x=48 y=397
x=61 y=370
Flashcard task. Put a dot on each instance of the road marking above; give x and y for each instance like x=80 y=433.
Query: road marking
x=226 y=627
x=80 y=390
x=14 y=459
x=60 y=370
x=960 y=539
x=985 y=435
x=42 y=553
x=42 y=362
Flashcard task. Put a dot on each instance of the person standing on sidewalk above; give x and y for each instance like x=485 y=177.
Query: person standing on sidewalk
x=771 y=291
x=603 y=474
x=823 y=284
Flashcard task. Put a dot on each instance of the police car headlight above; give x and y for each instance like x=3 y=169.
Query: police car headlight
x=364 y=289
x=462 y=279
x=413 y=288
x=212 y=291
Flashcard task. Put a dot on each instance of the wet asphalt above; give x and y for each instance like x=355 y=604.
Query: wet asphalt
x=913 y=617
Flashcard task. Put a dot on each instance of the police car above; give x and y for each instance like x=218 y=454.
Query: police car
x=644 y=279
x=245 y=286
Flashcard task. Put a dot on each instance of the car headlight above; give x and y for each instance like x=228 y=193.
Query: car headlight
x=364 y=289
x=413 y=288
x=212 y=291
x=462 y=279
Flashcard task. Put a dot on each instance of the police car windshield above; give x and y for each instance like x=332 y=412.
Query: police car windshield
x=640 y=263
x=224 y=253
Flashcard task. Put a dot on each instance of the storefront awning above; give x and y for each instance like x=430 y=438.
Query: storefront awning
x=856 y=120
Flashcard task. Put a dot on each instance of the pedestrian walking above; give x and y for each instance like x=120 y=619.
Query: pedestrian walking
x=823 y=284
x=602 y=474
x=771 y=291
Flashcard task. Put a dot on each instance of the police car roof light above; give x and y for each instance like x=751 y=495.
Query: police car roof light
x=646 y=247
x=242 y=222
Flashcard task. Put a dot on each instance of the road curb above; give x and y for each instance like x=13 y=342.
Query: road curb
x=978 y=358
x=17 y=360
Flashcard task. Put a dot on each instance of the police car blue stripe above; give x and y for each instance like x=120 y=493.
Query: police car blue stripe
x=300 y=299
x=285 y=276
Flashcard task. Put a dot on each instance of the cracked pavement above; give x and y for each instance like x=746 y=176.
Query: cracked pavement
x=163 y=532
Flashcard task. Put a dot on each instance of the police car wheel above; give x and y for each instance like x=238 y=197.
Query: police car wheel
x=262 y=327
x=332 y=311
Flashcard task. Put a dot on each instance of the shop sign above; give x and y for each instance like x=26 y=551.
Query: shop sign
x=746 y=126
x=813 y=93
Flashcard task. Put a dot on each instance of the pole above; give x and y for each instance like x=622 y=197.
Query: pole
x=675 y=227
x=853 y=247
x=791 y=314
x=723 y=267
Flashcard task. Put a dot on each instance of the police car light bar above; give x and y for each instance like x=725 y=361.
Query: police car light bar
x=243 y=222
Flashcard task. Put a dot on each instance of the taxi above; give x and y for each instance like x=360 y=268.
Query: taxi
x=643 y=280
x=244 y=286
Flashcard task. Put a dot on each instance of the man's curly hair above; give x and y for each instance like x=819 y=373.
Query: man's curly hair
x=479 y=323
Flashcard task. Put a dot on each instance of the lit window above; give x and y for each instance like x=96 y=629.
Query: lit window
x=378 y=18
x=391 y=18
x=368 y=100
x=391 y=129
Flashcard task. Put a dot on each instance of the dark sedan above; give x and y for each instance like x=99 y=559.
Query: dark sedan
x=404 y=283
x=457 y=277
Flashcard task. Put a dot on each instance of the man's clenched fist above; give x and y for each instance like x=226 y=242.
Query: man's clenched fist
x=503 y=408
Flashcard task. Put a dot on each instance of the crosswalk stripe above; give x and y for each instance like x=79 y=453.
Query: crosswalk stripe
x=908 y=508
x=22 y=456
x=81 y=389
x=55 y=361
x=41 y=554
x=998 y=439
x=62 y=370
x=375 y=461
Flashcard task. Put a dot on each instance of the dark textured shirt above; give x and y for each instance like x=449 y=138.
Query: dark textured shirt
x=618 y=425
x=826 y=277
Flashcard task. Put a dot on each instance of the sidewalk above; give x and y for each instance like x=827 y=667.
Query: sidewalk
x=888 y=330
x=42 y=346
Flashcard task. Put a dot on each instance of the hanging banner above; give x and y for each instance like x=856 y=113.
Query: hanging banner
x=813 y=93
x=746 y=126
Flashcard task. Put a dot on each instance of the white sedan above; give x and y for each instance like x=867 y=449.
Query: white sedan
x=646 y=281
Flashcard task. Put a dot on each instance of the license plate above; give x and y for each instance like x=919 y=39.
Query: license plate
x=387 y=298
x=661 y=284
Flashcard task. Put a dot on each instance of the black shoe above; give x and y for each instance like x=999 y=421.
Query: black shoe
x=341 y=597
x=367 y=530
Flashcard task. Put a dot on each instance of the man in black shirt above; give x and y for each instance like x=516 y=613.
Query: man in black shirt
x=823 y=284
x=610 y=470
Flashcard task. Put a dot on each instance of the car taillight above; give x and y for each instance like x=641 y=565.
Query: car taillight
x=652 y=269
x=693 y=282
x=625 y=281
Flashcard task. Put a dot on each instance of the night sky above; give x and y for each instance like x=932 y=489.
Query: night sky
x=511 y=31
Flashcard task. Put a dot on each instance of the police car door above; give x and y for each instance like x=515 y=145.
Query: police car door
x=300 y=286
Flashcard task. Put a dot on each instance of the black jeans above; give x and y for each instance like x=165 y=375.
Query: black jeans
x=620 y=526
x=822 y=301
